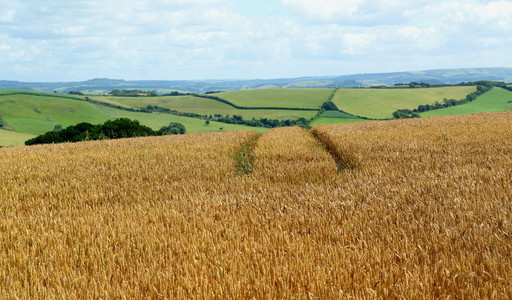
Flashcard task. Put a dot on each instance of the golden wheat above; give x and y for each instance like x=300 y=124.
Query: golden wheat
x=426 y=213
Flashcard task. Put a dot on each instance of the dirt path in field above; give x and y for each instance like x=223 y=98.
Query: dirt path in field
x=292 y=155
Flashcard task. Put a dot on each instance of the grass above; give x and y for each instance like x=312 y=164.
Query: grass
x=12 y=138
x=203 y=106
x=324 y=120
x=381 y=103
x=36 y=115
x=289 y=97
x=424 y=213
x=157 y=120
x=335 y=117
x=30 y=115
x=497 y=99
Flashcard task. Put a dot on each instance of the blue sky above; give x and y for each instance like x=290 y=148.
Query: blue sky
x=63 y=40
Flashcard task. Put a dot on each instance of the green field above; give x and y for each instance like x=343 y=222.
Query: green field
x=321 y=121
x=8 y=138
x=33 y=114
x=288 y=98
x=157 y=120
x=28 y=115
x=495 y=100
x=335 y=117
x=381 y=103
x=203 y=106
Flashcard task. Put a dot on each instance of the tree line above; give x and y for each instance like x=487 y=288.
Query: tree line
x=111 y=129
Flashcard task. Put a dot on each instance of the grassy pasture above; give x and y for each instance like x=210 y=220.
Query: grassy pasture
x=327 y=120
x=29 y=115
x=37 y=114
x=497 y=99
x=202 y=106
x=335 y=117
x=289 y=97
x=8 y=137
x=381 y=103
x=157 y=120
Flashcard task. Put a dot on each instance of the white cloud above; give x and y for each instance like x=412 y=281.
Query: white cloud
x=357 y=43
x=162 y=39
x=7 y=15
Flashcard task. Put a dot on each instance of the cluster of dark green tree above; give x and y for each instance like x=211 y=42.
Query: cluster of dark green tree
x=414 y=113
x=261 y=122
x=112 y=129
x=133 y=93
x=1 y=122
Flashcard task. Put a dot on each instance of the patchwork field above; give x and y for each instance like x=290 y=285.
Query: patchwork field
x=495 y=100
x=29 y=115
x=393 y=209
x=381 y=103
x=202 y=106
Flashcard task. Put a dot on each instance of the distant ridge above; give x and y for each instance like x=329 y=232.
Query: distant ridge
x=439 y=76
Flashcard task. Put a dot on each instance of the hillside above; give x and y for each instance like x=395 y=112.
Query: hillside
x=416 y=208
x=205 y=106
x=497 y=99
x=381 y=103
x=25 y=115
x=100 y=85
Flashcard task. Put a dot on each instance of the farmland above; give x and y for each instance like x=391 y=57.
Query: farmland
x=381 y=103
x=286 y=98
x=27 y=115
x=204 y=106
x=497 y=99
x=410 y=209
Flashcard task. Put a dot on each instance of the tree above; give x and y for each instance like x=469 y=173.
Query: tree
x=329 y=105
x=124 y=127
x=207 y=122
x=173 y=128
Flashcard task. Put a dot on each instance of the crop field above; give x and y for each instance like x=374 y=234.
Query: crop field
x=497 y=99
x=290 y=98
x=408 y=209
x=381 y=103
x=202 y=106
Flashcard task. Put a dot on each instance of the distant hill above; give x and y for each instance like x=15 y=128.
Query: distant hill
x=98 y=85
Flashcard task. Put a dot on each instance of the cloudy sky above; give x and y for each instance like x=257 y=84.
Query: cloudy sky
x=71 y=40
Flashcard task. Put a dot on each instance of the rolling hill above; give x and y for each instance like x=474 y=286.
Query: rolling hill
x=381 y=103
x=28 y=114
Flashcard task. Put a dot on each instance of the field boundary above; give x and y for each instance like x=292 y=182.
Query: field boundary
x=222 y=100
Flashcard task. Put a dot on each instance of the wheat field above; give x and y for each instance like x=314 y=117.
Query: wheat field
x=408 y=209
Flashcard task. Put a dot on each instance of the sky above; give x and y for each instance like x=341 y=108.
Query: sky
x=74 y=40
